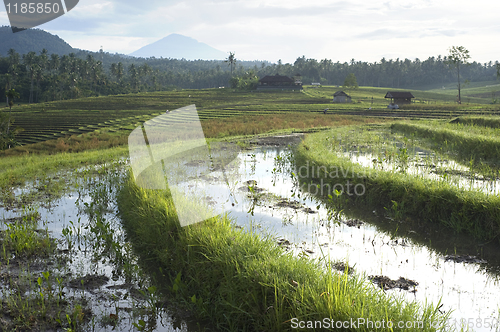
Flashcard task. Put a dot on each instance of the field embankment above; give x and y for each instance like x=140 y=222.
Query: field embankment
x=240 y=281
x=472 y=140
x=408 y=196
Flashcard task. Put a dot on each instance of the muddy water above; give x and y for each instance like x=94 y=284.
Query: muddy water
x=426 y=264
x=418 y=262
x=83 y=221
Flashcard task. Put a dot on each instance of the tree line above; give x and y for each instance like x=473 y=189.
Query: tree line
x=47 y=77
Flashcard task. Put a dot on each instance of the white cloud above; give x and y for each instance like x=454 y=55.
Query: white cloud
x=286 y=29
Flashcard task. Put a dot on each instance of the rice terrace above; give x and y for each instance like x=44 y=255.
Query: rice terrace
x=342 y=216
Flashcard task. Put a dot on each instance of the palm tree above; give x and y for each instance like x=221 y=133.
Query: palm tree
x=8 y=82
x=134 y=79
x=11 y=94
x=29 y=60
x=231 y=61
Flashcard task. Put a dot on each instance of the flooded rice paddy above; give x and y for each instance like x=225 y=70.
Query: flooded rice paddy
x=427 y=165
x=92 y=280
x=99 y=271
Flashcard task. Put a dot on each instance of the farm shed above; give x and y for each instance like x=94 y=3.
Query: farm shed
x=279 y=82
x=400 y=97
x=341 y=97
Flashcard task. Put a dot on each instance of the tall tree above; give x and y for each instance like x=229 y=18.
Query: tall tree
x=231 y=61
x=11 y=94
x=8 y=84
x=458 y=55
x=30 y=62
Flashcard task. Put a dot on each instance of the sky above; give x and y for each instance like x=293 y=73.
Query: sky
x=287 y=29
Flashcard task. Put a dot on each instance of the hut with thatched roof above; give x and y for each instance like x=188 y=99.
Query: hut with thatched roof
x=341 y=97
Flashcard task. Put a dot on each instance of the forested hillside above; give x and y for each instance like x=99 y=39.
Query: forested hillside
x=32 y=40
x=47 y=75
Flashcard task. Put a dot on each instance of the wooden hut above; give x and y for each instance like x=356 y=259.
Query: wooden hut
x=400 y=97
x=279 y=82
x=341 y=97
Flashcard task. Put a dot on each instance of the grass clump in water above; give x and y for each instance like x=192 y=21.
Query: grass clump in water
x=22 y=239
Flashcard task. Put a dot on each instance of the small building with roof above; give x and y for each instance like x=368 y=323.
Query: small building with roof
x=341 y=97
x=279 y=82
x=400 y=97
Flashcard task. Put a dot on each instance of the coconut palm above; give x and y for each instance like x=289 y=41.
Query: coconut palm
x=231 y=61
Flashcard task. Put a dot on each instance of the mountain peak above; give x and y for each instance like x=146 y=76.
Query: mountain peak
x=177 y=46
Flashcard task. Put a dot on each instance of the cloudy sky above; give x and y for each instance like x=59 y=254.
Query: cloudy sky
x=287 y=29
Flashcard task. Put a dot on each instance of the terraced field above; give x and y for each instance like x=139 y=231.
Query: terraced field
x=120 y=113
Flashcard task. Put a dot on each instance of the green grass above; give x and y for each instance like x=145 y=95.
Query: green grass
x=467 y=140
x=21 y=239
x=240 y=281
x=363 y=95
x=488 y=121
x=15 y=170
x=416 y=198
x=487 y=91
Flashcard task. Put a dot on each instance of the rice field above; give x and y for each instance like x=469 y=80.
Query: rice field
x=122 y=113
x=428 y=193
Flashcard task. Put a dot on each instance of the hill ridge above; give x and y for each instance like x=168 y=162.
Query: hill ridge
x=32 y=40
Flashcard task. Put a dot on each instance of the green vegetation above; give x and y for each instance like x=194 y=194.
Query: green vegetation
x=242 y=282
x=7 y=132
x=460 y=138
x=247 y=81
x=21 y=239
x=415 y=197
x=118 y=115
x=234 y=278
x=350 y=82
x=15 y=170
x=31 y=302
x=39 y=289
x=491 y=121
x=432 y=100
x=39 y=75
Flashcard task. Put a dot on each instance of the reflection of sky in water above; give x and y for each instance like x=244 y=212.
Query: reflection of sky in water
x=466 y=289
x=68 y=211
x=422 y=164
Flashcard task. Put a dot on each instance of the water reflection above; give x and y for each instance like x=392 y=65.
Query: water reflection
x=367 y=240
